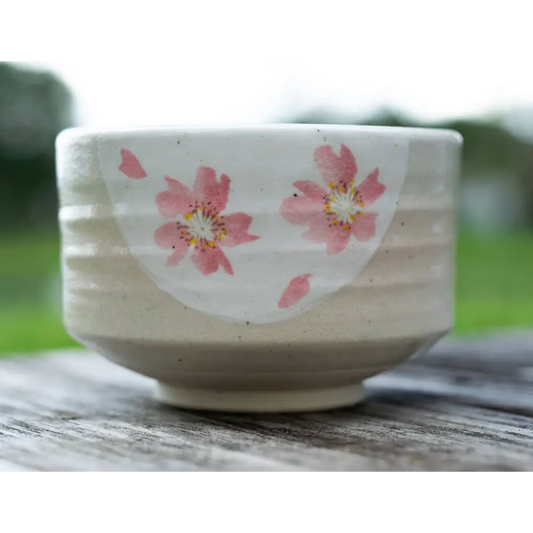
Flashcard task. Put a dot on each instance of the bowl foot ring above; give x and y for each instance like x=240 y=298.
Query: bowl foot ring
x=239 y=401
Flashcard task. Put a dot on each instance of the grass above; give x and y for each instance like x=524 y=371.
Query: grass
x=30 y=316
x=494 y=282
x=23 y=329
x=494 y=288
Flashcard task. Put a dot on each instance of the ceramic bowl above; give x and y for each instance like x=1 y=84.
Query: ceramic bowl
x=268 y=268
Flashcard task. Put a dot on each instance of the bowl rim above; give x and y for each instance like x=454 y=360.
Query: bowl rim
x=112 y=132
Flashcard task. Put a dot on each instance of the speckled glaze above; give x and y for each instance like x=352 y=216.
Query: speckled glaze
x=360 y=310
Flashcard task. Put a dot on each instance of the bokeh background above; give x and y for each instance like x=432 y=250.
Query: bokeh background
x=495 y=117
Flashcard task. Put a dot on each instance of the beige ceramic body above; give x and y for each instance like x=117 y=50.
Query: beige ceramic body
x=399 y=305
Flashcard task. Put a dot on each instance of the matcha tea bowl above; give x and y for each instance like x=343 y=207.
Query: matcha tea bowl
x=258 y=268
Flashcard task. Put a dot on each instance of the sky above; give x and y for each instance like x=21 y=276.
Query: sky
x=121 y=92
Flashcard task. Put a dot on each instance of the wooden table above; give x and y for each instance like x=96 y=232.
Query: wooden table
x=468 y=405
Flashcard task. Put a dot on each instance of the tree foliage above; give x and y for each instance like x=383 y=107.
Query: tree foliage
x=34 y=107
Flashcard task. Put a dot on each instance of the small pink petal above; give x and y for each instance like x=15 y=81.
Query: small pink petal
x=371 y=189
x=224 y=263
x=338 y=241
x=130 y=166
x=166 y=235
x=208 y=189
x=302 y=210
x=297 y=289
x=169 y=237
x=176 y=257
x=339 y=170
x=176 y=201
x=237 y=226
x=364 y=228
x=335 y=237
x=311 y=189
x=207 y=260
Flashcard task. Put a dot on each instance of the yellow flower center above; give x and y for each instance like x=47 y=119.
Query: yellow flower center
x=202 y=226
x=343 y=204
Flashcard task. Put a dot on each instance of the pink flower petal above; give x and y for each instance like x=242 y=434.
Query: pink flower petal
x=237 y=227
x=335 y=236
x=311 y=189
x=169 y=237
x=208 y=189
x=339 y=170
x=364 y=227
x=207 y=260
x=302 y=210
x=297 y=289
x=371 y=189
x=176 y=201
x=130 y=166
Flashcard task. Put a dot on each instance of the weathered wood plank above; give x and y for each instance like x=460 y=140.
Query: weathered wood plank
x=466 y=406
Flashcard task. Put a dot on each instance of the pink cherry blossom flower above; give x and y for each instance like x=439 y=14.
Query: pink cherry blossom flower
x=336 y=211
x=199 y=224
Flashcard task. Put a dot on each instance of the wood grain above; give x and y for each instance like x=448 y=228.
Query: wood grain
x=468 y=405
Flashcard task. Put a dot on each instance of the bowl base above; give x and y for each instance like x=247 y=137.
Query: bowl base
x=238 y=401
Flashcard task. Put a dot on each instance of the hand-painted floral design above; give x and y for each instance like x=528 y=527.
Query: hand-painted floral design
x=130 y=166
x=335 y=212
x=295 y=292
x=200 y=224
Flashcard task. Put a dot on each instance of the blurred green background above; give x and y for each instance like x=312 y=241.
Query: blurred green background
x=495 y=253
